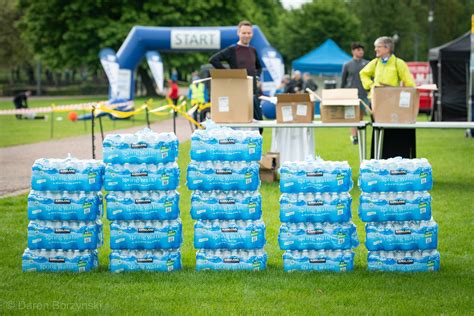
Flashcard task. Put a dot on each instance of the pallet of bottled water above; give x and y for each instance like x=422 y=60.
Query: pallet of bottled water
x=395 y=206
x=66 y=235
x=315 y=207
x=317 y=236
x=404 y=261
x=225 y=259
x=143 y=146
x=318 y=260
x=68 y=174
x=145 y=260
x=64 y=205
x=146 y=234
x=406 y=235
x=223 y=175
x=226 y=205
x=142 y=205
x=315 y=175
x=220 y=234
x=142 y=177
x=225 y=144
x=57 y=260
x=395 y=174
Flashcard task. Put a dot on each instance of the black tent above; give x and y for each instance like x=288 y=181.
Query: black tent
x=450 y=68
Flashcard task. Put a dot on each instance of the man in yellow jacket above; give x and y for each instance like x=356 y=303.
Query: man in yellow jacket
x=388 y=70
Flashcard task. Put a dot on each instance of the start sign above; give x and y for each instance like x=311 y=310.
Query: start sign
x=195 y=39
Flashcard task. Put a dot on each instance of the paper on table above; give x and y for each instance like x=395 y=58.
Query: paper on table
x=405 y=99
x=223 y=104
x=349 y=112
x=287 y=113
x=301 y=109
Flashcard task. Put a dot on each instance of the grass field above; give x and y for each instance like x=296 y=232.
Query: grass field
x=449 y=291
x=19 y=132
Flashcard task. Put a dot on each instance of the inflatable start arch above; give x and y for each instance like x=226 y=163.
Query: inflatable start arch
x=144 y=40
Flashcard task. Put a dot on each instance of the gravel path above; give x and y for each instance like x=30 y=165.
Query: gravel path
x=16 y=161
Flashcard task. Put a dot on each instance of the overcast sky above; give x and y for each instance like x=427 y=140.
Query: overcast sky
x=293 y=4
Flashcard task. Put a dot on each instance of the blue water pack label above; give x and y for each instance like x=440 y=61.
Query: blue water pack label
x=232 y=234
x=315 y=176
x=141 y=177
x=146 y=234
x=67 y=235
x=64 y=205
x=408 y=235
x=59 y=260
x=142 y=205
x=317 y=236
x=223 y=175
x=395 y=206
x=226 y=205
x=322 y=260
x=68 y=174
x=395 y=174
x=315 y=207
x=223 y=143
x=144 y=146
x=253 y=260
x=145 y=260
x=404 y=261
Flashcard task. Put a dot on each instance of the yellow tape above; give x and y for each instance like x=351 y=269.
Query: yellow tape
x=101 y=107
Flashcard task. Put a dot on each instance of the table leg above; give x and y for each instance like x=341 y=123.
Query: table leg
x=380 y=145
x=364 y=141
x=376 y=143
x=359 y=137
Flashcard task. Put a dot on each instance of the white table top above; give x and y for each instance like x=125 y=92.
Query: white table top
x=462 y=125
x=314 y=124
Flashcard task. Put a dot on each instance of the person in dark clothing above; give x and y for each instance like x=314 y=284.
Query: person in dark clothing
x=21 y=102
x=350 y=79
x=242 y=56
x=296 y=83
x=308 y=83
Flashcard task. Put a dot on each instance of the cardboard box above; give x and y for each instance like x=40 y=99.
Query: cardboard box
x=395 y=104
x=294 y=108
x=340 y=106
x=270 y=161
x=268 y=176
x=231 y=96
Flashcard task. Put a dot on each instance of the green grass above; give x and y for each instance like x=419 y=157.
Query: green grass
x=449 y=291
x=18 y=132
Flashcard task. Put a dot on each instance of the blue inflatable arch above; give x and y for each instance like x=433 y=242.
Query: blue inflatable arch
x=192 y=39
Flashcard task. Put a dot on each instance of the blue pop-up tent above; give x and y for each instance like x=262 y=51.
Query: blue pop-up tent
x=327 y=59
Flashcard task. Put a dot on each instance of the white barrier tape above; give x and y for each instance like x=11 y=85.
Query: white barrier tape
x=63 y=108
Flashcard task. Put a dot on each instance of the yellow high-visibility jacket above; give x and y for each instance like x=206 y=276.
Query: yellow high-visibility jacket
x=394 y=71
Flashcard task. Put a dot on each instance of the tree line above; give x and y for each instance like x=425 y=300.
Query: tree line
x=68 y=34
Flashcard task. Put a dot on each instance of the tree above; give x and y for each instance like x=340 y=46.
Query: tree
x=13 y=51
x=303 y=29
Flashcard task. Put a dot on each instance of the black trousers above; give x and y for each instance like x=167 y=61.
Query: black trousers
x=397 y=142
x=257 y=111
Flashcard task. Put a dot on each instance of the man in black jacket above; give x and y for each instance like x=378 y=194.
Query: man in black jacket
x=242 y=56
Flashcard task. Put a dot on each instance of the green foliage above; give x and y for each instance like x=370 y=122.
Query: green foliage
x=13 y=50
x=68 y=34
x=304 y=29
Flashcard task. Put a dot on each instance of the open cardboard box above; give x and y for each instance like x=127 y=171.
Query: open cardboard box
x=231 y=96
x=340 y=106
x=294 y=108
x=269 y=165
x=397 y=104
